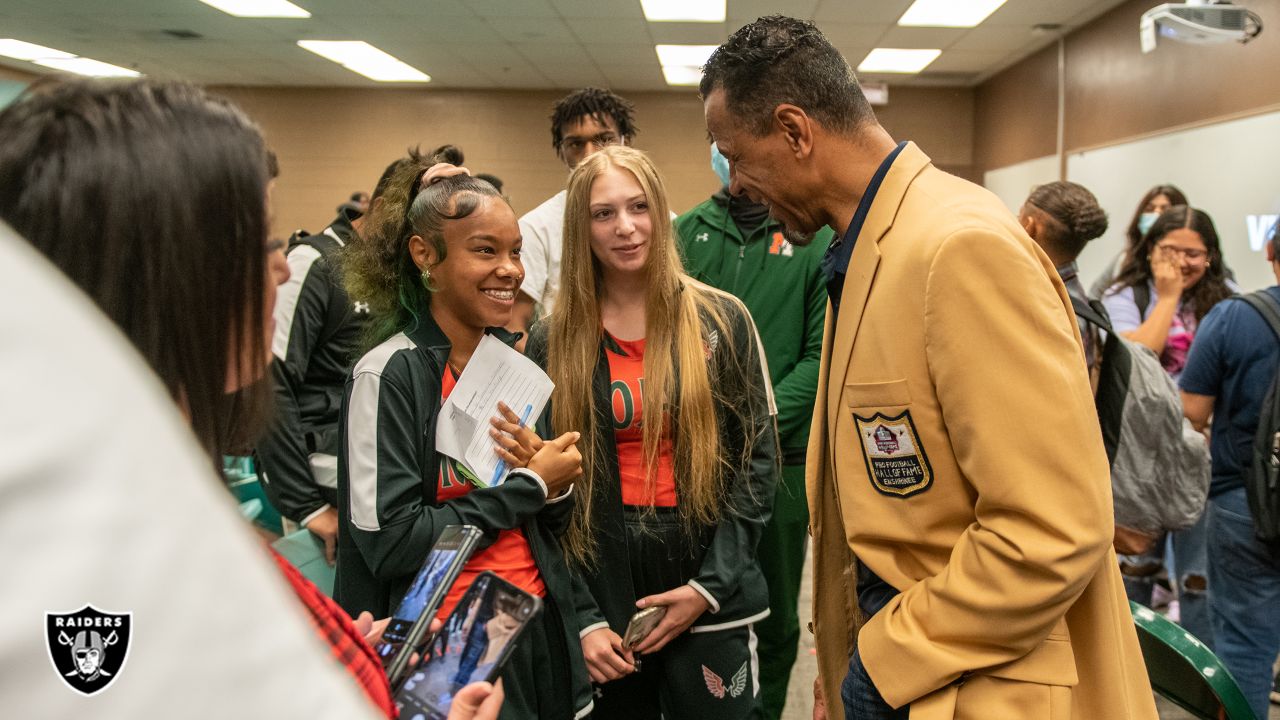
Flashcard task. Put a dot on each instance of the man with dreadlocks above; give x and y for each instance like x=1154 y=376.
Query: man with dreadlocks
x=582 y=122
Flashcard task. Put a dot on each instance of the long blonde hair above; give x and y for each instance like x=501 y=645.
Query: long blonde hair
x=682 y=325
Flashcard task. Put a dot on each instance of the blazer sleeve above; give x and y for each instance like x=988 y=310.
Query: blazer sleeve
x=390 y=523
x=1003 y=354
x=750 y=483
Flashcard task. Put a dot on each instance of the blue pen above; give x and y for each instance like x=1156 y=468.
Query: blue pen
x=502 y=464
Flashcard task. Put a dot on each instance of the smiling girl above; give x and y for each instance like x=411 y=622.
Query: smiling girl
x=441 y=267
x=666 y=379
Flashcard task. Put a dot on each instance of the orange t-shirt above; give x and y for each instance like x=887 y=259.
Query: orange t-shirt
x=509 y=556
x=626 y=396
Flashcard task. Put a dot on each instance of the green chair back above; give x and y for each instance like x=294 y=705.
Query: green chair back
x=306 y=552
x=1186 y=672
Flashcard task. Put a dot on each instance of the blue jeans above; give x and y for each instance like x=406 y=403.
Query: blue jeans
x=862 y=701
x=1245 y=606
x=1190 y=567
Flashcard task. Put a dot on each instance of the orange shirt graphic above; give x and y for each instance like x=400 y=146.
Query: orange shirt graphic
x=626 y=373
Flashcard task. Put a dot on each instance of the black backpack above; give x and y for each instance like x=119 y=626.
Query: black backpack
x=1262 y=476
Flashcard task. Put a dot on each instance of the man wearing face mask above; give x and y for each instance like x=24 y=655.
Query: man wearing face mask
x=732 y=243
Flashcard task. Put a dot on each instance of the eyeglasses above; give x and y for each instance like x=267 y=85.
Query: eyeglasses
x=577 y=144
x=1192 y=256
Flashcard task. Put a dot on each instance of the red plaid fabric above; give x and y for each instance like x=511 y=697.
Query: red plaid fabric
x=348 y=646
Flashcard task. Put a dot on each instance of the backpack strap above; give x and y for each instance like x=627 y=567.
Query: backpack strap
x=1267 y=307
x=1092 y=312
x=1142 y=298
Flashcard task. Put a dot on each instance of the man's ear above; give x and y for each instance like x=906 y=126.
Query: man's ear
x=422 y=252
x=796 y=126
x=1271 y=252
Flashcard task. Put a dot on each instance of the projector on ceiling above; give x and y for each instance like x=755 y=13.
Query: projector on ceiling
x=1201 y=23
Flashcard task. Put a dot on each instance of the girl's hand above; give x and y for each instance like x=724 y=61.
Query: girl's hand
x=558 y=463
x=516 y=443
x=1166 y=271
x=440 y=171
x=606 y=658
x=684 y=606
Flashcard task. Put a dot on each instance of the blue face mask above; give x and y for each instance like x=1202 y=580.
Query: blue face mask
x=719 y=165
x=1145 y=221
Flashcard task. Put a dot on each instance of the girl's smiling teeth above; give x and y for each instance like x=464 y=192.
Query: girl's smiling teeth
x=507 y=295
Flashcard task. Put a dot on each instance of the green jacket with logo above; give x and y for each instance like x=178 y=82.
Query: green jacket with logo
x=782 y=286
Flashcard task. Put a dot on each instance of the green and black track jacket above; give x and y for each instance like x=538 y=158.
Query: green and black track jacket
x=388 y=473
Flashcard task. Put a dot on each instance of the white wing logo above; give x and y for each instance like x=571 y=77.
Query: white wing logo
x=738 y=682
x=715 y=684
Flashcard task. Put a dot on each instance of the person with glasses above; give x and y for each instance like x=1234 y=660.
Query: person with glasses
x=582 y=123
x=1163 y=291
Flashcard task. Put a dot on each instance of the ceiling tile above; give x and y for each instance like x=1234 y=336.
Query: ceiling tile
x=575 y=75
x=622 y=55
x=634 y=77
x=994 y=38
x=618 y=9
x=748 y=10
x=428 y=8
x=554 y=53
x=1029 y=12
x=610 y=30
x=510 y=8
x=920 y=37
x=530 y=30
x=689 y=33
x=963 y=61
x=852 y=34
x=861 y=11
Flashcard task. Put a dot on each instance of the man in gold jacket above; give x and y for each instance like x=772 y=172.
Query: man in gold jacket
x=958 y=486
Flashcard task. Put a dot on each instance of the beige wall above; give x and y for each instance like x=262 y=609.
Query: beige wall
x=332 y=142
x=1115 y=93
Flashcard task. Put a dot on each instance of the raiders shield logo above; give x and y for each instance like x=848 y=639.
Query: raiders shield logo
x=88 y=647
x=896 y=463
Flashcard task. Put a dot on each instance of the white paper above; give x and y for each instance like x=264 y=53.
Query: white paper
x=495 y=372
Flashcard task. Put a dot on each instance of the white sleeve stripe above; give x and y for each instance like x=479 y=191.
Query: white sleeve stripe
x=300 y=262
x=591 y=628
x=362 y=431
x=362 y=450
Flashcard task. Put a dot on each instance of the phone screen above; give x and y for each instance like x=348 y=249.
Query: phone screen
x=442 y=565
x=472 y=646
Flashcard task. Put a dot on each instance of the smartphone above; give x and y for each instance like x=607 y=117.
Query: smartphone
x=473 y=646
x=409 y=624
x=642 y=623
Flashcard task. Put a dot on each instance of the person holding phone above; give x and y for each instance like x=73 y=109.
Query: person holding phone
x=666 y=379
x=440 y=268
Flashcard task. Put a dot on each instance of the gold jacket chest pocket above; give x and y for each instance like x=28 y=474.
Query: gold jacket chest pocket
x=878 y=416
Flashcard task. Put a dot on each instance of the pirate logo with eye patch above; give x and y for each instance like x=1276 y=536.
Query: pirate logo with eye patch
x=88 y=647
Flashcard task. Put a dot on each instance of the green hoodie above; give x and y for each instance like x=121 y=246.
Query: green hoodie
x=781 y=284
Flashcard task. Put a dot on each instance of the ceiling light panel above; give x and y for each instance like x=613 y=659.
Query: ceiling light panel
x=695 y=55
x=360 y=57
x=19 y=50
x=87 y=66
x=948 y=13
x=258 y=8
x=684 y=10
x=682 y=75
x=895 y=60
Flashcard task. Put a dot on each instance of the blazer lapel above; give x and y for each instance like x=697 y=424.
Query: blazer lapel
x=862 y=267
